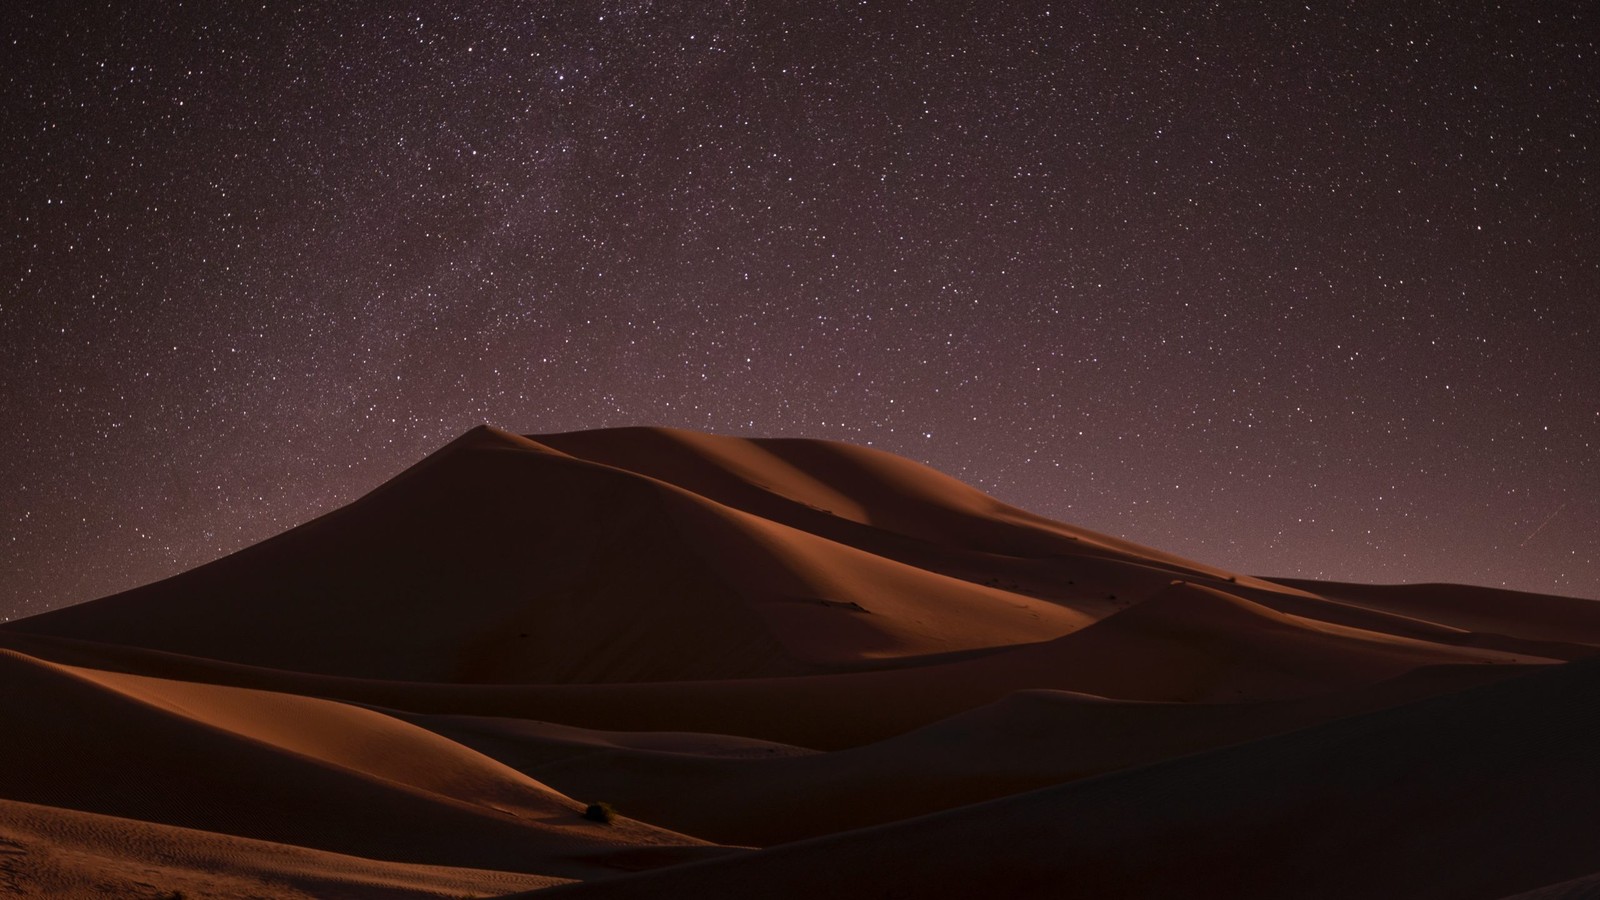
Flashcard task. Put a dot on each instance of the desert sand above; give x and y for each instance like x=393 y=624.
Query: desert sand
x=795 y=668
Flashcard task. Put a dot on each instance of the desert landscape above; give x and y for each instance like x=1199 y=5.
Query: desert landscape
x=648 y=662
x=862 y=450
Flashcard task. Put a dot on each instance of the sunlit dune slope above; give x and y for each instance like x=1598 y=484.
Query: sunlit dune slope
x=826 y=486
x=62 y=853
x=286 y=769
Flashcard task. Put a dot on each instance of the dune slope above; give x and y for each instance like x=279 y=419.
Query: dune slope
x=745 y=792
x=51 y=852
x=287 y=769
x=1474 y=795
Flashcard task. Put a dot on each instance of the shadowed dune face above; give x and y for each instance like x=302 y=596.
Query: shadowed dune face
x=1421 y=801
x=490 y=561
x=749 y=642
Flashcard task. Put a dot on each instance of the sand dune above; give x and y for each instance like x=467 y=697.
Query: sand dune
x=497 y=560
x=488 y=561
x=1164 y=650
x=886 y=678
x=1475 y=795
x=287 y=769
x=506 y=559
x=745 y=792
x=52 y=852
x=779 y=478
x=1584 y=888
x=1535 y=617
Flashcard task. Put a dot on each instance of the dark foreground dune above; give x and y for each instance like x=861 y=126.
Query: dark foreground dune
x=795 y=668
x=1485 y=793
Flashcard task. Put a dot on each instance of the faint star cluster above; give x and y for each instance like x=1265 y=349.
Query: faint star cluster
x=1296 y=290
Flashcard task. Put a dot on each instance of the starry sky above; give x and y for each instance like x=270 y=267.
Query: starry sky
x=1294 y=289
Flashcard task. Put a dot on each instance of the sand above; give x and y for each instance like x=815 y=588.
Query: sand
x=796 y=668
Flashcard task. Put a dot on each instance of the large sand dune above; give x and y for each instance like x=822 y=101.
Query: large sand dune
x=747 y=643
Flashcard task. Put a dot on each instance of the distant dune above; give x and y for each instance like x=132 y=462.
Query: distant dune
x=883 y=679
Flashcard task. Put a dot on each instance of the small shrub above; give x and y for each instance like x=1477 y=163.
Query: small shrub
x=604 y=813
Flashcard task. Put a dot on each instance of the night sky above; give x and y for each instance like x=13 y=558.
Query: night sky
x=1293 y=290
